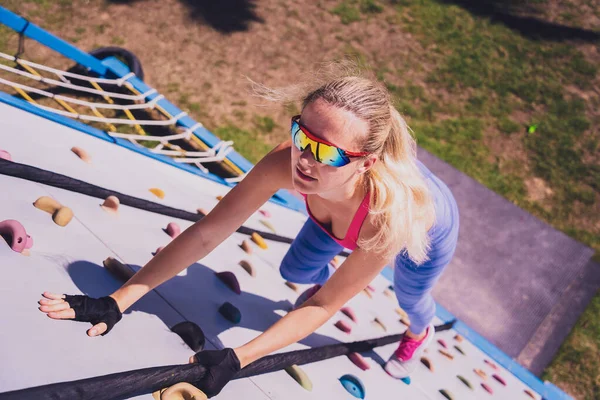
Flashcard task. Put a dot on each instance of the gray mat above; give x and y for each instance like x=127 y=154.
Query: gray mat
x=510 y=271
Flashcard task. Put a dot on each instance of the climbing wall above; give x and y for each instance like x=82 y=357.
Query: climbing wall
x=69 y=259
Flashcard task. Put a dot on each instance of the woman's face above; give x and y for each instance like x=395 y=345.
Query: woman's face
x=339 y=127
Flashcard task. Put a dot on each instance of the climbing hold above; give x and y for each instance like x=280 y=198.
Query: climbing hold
x=191 y=334
x=343 y=326
x=406 y=380
x=265 y=213
x=219 y=197
x=446 y=354
x=405 y=321
x=499 y=379
x=158 y=250
x=461 y=351
x=465 y=381
x=425 y=361
x=248 y=268
x=5 y=155
x=15 y=235
x=81 y=153
x=371 y=288
x=268 y=225
x=256 y=238
x=173 y=229
x=446 y=394
x=491 y=364
x=246 y=246
x=292 y=286
x=118 y=269
x=389 y=293
x=379 y=323
x=367 y=293
x=481 y=373
x=180 y=391
x=202 y=211
x=529 y=393
x=111 y=204
x=458 y=338
x=442 y=343
x=62 y=216
x=158 y=192
x=230 y=280
x=353 y=385
x=359 y=361
x=487 y=388
x=348 y=312
x=335 y=262
x=47 y=204
x=299 y=376
x=230 y=312
x=401 y=312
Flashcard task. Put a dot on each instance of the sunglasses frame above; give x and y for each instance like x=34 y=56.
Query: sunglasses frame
x=346 y=153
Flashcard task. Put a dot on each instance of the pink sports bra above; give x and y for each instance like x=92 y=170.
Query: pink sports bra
x=351 y=238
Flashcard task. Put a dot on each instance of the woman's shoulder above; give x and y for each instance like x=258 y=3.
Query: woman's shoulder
x=276 y=165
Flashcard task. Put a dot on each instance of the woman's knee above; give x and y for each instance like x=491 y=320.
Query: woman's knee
x=292 y=271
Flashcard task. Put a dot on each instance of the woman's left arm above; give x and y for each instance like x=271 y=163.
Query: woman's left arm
x=359 y=269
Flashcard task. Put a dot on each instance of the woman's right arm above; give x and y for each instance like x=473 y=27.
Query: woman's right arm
x=269 y=175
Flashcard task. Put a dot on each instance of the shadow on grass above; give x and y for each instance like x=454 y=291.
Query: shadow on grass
x=225 y=16
x=506 y=12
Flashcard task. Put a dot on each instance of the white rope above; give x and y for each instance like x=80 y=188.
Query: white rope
x=62 y=74
x=77 y=87
x=149 y=105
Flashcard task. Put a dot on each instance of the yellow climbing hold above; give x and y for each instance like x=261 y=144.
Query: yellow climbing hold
x=248 y=267
x=47 y=204
x=158 y=192
x=458 y=338
x=367 y=293
x=219 y=197
x=446 y=394
x=268 y=225
x=81 y=153
x=180 y=391
x=336 y=262
x=256 y=238
x=62 y=216
x=446 y=354
x=202 y=211
x=401 y=312
x=111 y=204
x=299 y=376
x=118 y=269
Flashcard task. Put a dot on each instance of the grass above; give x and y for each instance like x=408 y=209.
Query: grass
x=350 y=11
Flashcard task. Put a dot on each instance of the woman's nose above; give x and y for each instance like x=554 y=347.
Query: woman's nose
x=307 y=155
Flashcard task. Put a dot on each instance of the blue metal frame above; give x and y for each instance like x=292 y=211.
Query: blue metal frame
x=112 y=66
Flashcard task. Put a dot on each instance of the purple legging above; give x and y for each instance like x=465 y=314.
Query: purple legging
x=308 y=257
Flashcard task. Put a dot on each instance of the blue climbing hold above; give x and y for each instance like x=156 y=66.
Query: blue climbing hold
x=353 y=385
x=406 y=380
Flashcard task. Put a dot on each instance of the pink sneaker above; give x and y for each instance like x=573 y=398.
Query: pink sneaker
x=308 y=293
x=408 y=354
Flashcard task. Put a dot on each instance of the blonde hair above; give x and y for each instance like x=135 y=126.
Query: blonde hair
x=401 y=203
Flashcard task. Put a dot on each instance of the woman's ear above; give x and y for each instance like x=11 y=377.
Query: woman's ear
x=367 y=163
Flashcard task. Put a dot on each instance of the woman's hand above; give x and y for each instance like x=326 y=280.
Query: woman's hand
x=221 y=367
x=103 y=313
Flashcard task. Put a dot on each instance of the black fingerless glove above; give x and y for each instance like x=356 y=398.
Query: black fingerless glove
x=221 y=366
x=88 y=309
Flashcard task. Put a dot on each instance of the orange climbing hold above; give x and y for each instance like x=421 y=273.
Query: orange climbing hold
x=118 y=269
x=458 y=338
x=82 y=154
x=246 y=246
x=529 y=393
x=180 y=391
x=111 y=204
x=256 y=238
x=446 y=354
x=15 y=235
x=62 y=216
x=202 y=211
x=173 y=229
x=359 y=361
x=219 y=198
x=47 y=204
x=491 y=364
x=158 y=192
x=481 y=373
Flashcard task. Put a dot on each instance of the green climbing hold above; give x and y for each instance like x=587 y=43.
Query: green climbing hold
x=461 y=351
x=299 y=376
x=531 y=128
x=465 y=381
x=353 y=385
x=230 y=312
x=446 y=394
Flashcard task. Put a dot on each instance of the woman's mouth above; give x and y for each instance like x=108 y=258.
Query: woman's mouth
x=304 y=177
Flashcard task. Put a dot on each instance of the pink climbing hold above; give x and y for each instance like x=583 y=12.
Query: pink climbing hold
x=266 y=213
x=173 y=229
x=5 y=155
x=359 y=361
x=343 y=326
x=487 y=388
x=16 y=235
x=491 y=364
x=230 y=280
x=348 y=312
x=371 y=288
x=499 y=379
x=442 y=343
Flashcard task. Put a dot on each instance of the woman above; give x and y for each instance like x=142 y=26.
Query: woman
x=353 y=159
